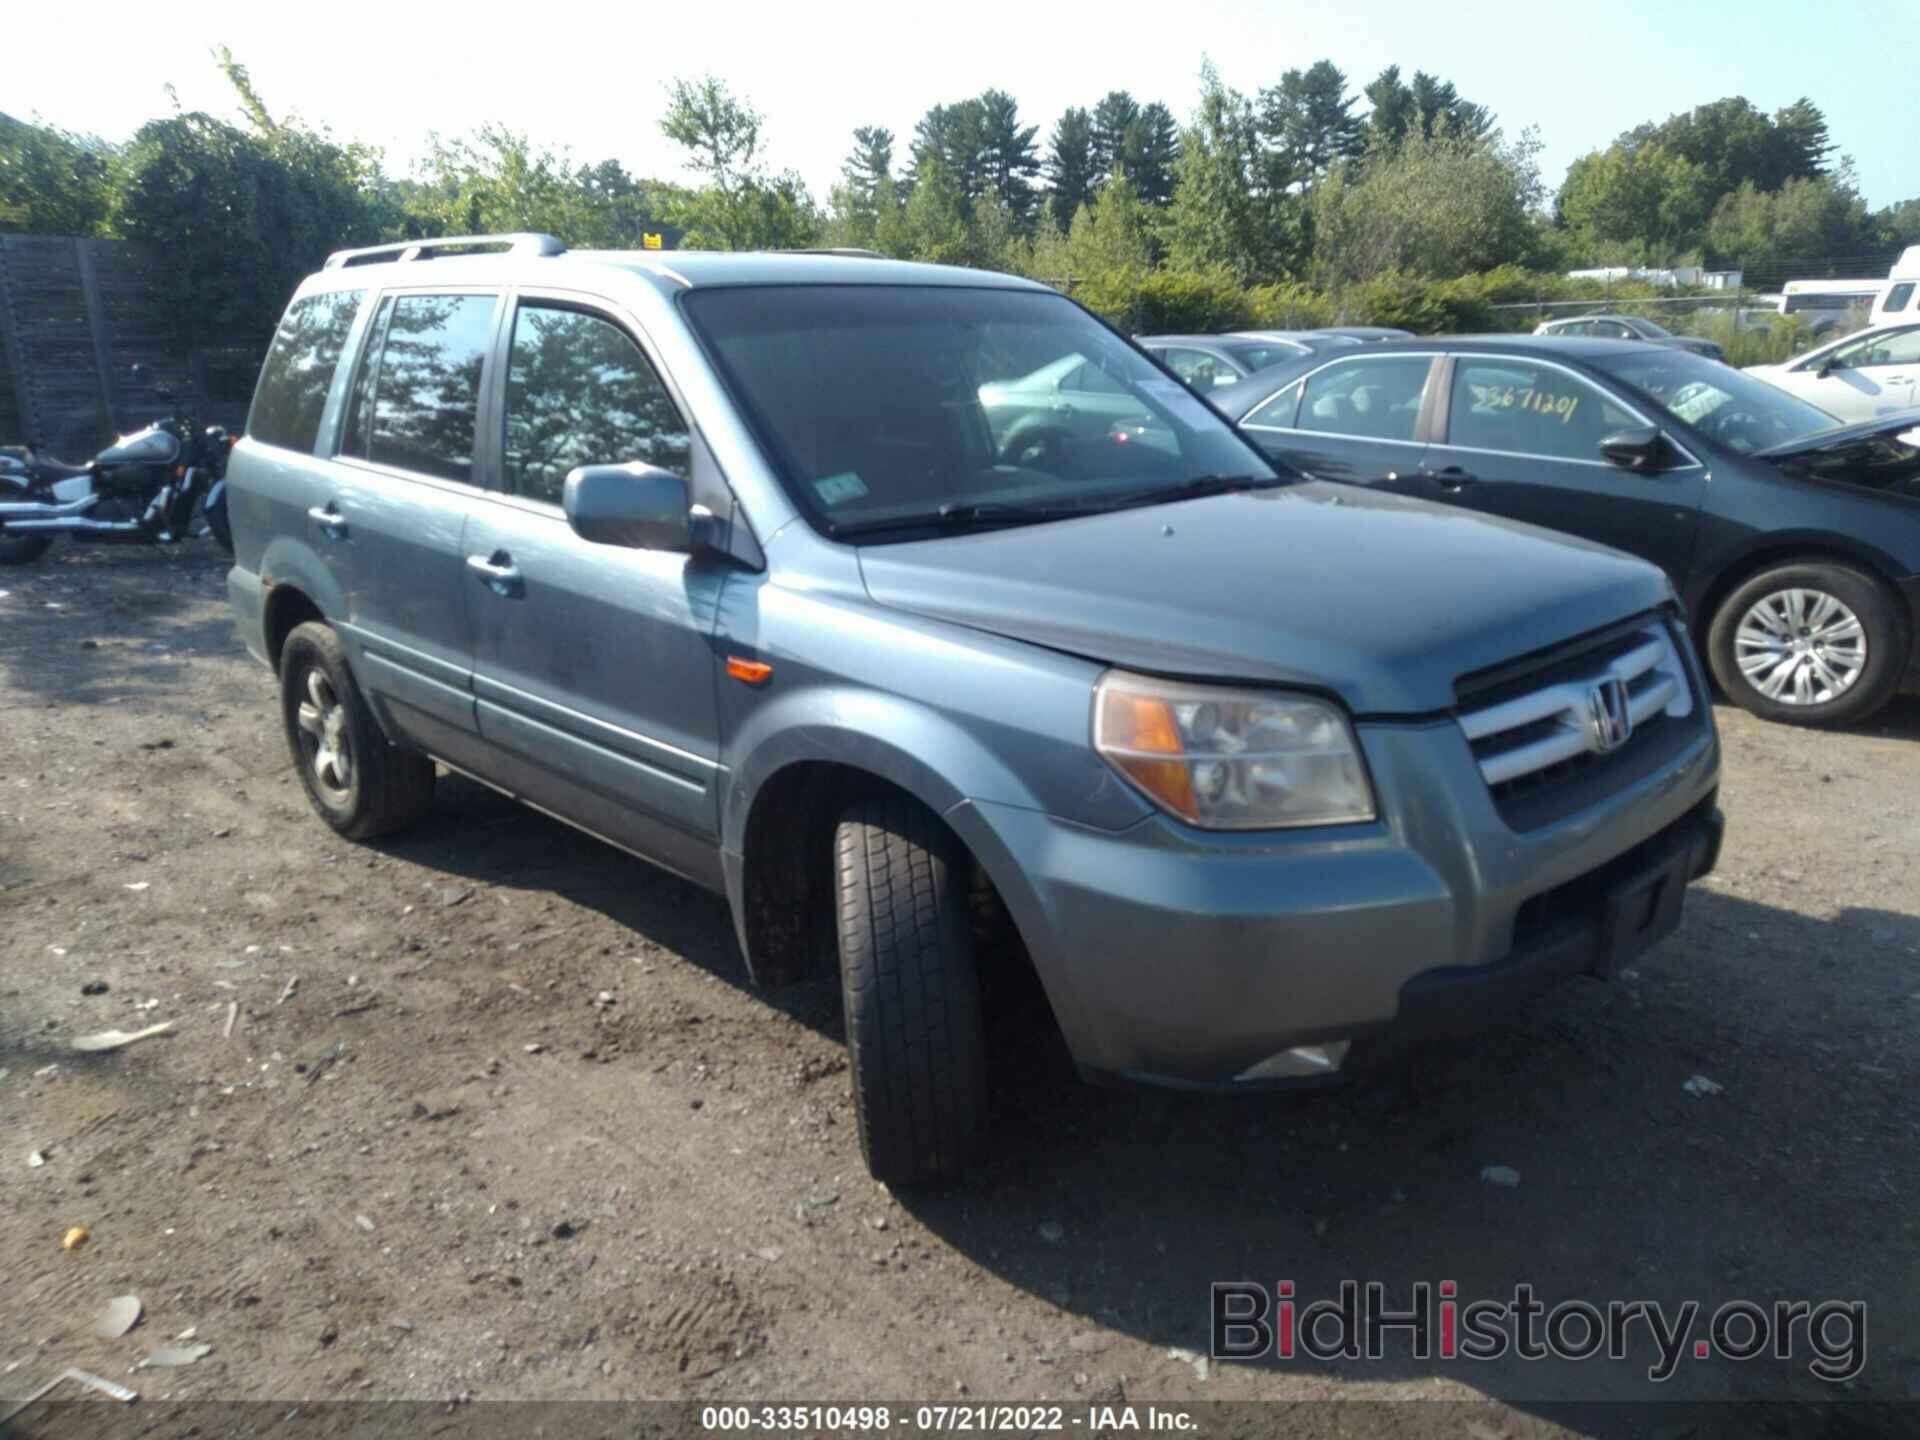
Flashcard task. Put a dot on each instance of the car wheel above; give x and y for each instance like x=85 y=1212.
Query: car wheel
x=915 y=1044
x=1811 y=643
x=361 y=785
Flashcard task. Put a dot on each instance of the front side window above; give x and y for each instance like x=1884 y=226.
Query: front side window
x=299 y=367
x=1898 y=298
x=1726 y=405
x=1878 y=347
x=885 y=407
x=1513 y=406
x=580 y=392
x=416 y=403
x=1377 y=398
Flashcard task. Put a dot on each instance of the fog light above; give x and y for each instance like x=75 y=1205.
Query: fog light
x=1301 y=1060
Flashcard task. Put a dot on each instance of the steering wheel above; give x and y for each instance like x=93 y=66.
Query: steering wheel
x=1741 y=430
x=1035 y=447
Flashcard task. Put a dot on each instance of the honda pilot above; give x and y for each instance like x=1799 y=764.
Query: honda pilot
x=881 y=597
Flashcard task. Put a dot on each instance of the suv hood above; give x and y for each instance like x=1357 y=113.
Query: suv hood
x=1382 y=600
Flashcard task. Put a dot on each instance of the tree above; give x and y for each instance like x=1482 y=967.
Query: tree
x=1438 y=206
x=1069 y=167
x=932 y=227
x=1308 y=120
x=866 y=188
x=742 y=206
x=52 y=182
x=1807 y=218
x=1421 y=108
x=1647 y=205
x=1152 y=151
x=1734 y=142
x=955 y=135
x=1113 y=121
x=1221 y=216
x=1009 y=160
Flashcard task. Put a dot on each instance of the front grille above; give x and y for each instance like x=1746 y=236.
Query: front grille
x=1534 y=731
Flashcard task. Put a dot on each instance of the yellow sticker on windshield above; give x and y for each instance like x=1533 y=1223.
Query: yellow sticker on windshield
x=1525 y=397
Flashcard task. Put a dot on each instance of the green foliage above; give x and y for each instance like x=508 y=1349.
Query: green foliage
x=1444 y=204
x=1814 y=215
x=53 y=182
x=1638 y=205
x=1421 y=109
x=1070 y=167
x=1307 y=120
x=1290 y=305
x=1223 y=216
x=742 y=206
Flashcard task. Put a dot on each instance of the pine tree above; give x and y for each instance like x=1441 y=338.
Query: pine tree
x=1069 y=166
x=1009 y=160
x=1113 y=118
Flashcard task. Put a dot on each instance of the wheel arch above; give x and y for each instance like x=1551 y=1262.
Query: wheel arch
x=1704 y=601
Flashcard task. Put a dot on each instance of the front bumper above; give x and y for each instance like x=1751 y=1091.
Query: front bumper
x=1176 y=957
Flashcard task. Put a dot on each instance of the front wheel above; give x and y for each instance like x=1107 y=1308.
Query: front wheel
x=1811 y=643
x=915 y=1044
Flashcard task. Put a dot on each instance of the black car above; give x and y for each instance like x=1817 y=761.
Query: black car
x=1793 y=540
x=1207 y=362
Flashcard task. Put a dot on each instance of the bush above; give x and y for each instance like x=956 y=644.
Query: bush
x=1290 y=305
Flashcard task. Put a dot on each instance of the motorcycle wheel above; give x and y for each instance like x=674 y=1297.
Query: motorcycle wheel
x=20 y=549
x=23 y=549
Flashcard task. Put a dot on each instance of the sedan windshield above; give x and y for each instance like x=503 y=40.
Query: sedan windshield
x=1724 y=404
x=889 y=407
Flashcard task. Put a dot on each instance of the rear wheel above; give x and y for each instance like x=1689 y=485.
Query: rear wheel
x=1811 y=642
x=360 y=785
x=914 y=1038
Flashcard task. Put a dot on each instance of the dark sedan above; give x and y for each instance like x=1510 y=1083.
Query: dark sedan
x=1794 y=541
x=1628 y=327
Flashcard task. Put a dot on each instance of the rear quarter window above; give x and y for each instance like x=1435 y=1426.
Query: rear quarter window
x=299 y=369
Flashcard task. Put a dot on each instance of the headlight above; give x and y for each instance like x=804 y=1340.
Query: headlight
x=1230 y=759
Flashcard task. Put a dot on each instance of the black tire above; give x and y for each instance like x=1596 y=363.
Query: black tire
x=915 y=1044
x=383 y=788
x=1883 y=630
x=23 y=549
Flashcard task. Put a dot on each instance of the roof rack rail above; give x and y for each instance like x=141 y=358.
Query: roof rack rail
x=525 y=243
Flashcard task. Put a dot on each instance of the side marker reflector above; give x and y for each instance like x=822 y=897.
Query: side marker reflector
x=749 y=672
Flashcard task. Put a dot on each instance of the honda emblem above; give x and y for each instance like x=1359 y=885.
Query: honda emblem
x=1609 y=720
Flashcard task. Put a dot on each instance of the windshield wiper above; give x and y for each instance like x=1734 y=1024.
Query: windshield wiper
x=1194 y=487
x=964 y=515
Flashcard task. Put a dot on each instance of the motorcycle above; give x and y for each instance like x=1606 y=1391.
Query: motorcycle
x=163 y=485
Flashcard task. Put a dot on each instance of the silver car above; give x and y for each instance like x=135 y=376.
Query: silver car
x=747 y=564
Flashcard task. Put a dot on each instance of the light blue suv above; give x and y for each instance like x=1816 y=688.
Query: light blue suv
x=783 y=573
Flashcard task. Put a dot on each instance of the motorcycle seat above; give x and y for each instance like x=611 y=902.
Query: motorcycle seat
x=50 y=469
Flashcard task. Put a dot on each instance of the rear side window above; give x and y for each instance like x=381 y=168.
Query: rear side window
x=416 y=402
x=299 y=368
x=1377 y=398
x=579 y=392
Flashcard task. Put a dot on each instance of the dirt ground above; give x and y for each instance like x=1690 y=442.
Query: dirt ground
x=522 y=1128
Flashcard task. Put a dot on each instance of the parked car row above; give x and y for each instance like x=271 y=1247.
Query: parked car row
x=907 y=606
x=1206 y=362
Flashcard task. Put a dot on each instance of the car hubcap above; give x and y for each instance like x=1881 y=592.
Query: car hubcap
x=1800 y=647
x=323 y=737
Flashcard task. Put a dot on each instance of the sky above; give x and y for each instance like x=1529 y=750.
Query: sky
x=592 y=80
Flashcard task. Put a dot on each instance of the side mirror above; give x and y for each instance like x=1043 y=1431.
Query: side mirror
x=1637 y=448
x=639 y=507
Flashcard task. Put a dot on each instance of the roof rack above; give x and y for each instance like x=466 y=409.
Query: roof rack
x=526 y=243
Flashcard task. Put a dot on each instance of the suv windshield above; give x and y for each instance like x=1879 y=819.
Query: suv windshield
x=1740 y=412
x=886 y=407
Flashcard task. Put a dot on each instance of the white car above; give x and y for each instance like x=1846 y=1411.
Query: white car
x=1861 y=377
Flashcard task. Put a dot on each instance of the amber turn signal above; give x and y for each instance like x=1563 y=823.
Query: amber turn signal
x=749 y=672
x=1135 y=728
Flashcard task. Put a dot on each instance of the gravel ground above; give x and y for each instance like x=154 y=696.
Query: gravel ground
x=500 y=1116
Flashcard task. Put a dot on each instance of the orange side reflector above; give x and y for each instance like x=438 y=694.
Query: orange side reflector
x=750 y=672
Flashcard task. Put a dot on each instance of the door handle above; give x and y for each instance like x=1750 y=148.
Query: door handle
x=331 y=522
x=1451 y=478
x=498 y=572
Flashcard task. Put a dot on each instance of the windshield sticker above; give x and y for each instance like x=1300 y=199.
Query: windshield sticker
x=1525 y=397
x=838 y=489
x=1179 y=401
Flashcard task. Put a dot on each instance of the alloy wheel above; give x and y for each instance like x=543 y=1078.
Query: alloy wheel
x=324 y=738
x=1800 y=647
